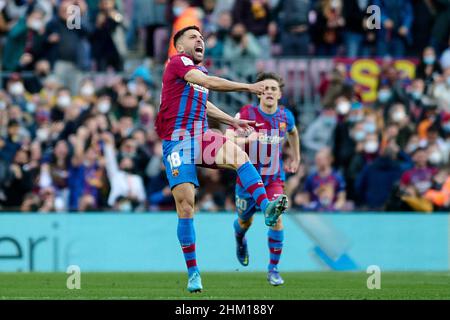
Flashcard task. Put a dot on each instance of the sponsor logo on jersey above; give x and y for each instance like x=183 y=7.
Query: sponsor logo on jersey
x=198 y=88
x=266 y=139
x=175 y=172
x=282 y=126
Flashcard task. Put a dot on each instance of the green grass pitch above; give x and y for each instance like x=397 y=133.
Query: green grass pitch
x=230 y=286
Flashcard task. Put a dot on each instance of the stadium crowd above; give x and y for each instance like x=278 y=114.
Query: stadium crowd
x=72 y=142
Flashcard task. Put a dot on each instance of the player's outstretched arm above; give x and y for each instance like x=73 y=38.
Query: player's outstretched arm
x=219 y=84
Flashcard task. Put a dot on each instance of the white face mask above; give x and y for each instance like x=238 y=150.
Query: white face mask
x=435 y=158
x=343 y=107
x=398 y=116
x=42 y=134
x=31 y=107
x=87 y=90
x=16 y=89
x=64 y=101
x=371 y=147
x=132 y=87
x=2 y=105
x=104 y=106
x=36 y=25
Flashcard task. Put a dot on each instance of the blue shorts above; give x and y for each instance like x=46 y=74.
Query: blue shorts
x=181 y=158
x=245 y=204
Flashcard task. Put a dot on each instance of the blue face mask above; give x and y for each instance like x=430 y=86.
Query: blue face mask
x=429 y=60
x=416 y=95
x=384 y=96
x=370 y=127
x=359 y=136
x=177 y=11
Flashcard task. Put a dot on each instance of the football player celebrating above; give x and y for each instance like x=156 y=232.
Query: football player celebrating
x=264 y=146
x=188 y=142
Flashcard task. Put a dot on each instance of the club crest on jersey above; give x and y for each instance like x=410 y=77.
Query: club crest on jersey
x=282 y=126
x=175 y=172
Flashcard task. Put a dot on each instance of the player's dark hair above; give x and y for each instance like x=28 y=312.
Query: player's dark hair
x=181 y=32
x=270 y=76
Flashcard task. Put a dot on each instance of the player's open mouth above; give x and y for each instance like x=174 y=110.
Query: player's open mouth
x=199 y=49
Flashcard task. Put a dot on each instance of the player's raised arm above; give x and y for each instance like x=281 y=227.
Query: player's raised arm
x=219 y=84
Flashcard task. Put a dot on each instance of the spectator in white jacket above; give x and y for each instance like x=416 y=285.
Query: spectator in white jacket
x=127 y=189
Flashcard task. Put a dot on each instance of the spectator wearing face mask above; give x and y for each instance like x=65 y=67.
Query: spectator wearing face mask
x=63 y=101
x=394 y=82
x=406 y=129
x=16 y=90
x=441 y=91
x=25 y=43
x=366 y=151
x=438 y=155
x=124 y=183
x=415 y=95
x=185 y=16
x=429 y=67
x=343 y=144
x=384 y=171
x=335 y=85
x=257 y=18
x=240 y=49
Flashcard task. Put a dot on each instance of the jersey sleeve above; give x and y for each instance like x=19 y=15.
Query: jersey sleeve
x=180 y=65
x=290 y=120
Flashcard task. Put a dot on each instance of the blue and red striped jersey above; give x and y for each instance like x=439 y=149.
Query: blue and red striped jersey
x=183 y=104
x=266 y=153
